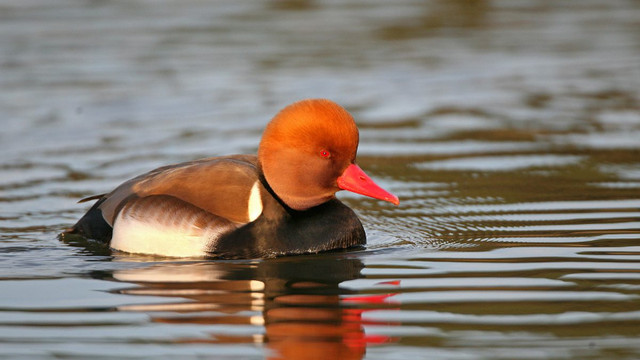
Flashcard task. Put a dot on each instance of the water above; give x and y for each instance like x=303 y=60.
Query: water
x=509 y=129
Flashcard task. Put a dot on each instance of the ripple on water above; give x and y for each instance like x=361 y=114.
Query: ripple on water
x=501 y=163
x=445 y=148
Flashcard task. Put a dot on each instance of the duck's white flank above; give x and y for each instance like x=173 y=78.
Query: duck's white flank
x=154 y=235
x=162 y=227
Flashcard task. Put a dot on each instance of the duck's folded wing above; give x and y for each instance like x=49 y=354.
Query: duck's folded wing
x=221 y=186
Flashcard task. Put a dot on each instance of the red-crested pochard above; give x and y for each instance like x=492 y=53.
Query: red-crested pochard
x=280 y=202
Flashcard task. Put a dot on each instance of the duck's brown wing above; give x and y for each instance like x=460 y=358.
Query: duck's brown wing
x=218 y=187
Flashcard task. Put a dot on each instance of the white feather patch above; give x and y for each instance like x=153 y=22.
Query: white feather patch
x=150 y=236
x=254 y=207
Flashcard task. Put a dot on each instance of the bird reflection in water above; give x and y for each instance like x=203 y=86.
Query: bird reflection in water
x=293 y=305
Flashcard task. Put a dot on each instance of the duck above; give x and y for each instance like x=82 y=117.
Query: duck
x=280 y=201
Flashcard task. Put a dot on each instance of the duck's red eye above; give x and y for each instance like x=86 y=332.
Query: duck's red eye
x=325 y=154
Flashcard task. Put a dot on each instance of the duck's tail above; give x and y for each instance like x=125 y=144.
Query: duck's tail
x=92 y=225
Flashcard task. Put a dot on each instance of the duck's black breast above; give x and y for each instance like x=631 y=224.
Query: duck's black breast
x=282 y=231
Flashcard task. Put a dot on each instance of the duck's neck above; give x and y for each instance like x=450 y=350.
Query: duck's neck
x=292 y=203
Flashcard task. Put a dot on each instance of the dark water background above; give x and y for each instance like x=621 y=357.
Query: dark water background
x=509 y=129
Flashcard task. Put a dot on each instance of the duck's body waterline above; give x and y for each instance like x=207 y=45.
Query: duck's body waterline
x=281 y=202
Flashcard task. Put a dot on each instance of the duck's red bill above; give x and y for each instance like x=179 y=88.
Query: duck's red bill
x=355 y=180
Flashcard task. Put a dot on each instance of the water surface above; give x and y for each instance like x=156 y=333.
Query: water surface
x=509 y=129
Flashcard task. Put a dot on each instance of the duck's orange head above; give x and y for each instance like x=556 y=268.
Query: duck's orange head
x=308 y=152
